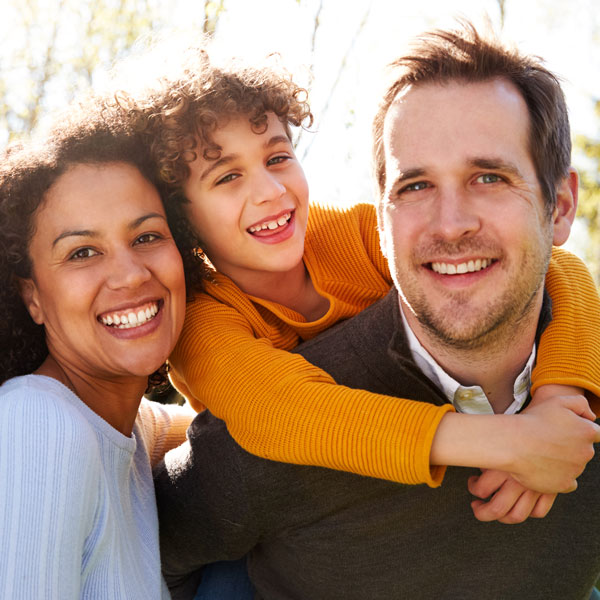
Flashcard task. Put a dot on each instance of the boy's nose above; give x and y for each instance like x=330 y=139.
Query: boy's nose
x=267 y=188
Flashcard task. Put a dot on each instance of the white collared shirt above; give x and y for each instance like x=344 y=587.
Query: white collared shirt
x=466 y=399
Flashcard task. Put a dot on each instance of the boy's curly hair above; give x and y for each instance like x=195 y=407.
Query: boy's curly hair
x=88 y=133
x=179 y=115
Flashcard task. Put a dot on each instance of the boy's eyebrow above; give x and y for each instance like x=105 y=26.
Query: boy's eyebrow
x=219 y=162
x=277 y=139
x=223 y=160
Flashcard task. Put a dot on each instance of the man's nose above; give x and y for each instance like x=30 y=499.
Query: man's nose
x=455 y=215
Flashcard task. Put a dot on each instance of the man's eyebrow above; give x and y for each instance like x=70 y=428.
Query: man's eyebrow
x=409 y=174
x=92 y=234
x=496 y=164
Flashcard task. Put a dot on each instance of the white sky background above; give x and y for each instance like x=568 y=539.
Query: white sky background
x=336 y=156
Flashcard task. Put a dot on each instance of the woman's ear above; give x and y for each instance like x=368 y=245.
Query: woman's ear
x=566 y=207
x=30 y=297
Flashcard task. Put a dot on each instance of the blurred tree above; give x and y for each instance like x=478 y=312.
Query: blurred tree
x=589 y=196
x=57 y=47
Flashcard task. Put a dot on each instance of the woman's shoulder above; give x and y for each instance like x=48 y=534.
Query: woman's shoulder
x=40 y=407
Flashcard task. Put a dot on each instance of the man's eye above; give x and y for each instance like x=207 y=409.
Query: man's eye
x=414 y=187
x=488 y=178
x=82 y=253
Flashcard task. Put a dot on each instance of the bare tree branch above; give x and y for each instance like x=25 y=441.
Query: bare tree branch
x=339 y=76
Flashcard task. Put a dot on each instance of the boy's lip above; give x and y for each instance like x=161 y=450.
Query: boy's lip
x=265 y=221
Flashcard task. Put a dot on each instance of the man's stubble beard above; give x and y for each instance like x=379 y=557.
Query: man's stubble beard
x=496 y=323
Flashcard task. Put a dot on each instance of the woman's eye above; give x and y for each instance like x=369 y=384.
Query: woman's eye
x=488 y=178
x=146 y=238
x=82 y=253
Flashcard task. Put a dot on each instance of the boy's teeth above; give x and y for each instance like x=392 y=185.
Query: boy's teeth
x=131 y=319
x=280 y=222
x=467 y=267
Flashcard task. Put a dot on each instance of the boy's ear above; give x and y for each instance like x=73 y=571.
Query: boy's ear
x=30 y=297
x=566 y=207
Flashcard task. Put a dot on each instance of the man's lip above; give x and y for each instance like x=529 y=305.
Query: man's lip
x=272 y=217
x=463 y=266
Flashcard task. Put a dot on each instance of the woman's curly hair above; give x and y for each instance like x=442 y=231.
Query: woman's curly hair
x=90 y=133
x=181 y=113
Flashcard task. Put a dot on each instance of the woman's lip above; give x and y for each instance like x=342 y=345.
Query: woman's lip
x=130 y=307
x=138 y=331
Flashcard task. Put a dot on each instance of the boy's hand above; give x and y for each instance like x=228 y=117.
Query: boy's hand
x=554 y=440
x=504 y=499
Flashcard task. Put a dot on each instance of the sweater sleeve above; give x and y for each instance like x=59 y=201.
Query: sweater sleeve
x=569 y=352
x=279 y=406
x=164 y=427
x=48 y=498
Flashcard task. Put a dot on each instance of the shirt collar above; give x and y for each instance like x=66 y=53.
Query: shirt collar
x=466 y=399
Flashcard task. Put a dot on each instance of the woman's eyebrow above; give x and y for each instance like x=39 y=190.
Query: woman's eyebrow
x=91 y=233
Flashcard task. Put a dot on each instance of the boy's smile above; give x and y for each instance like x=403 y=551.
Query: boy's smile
x=249 y=205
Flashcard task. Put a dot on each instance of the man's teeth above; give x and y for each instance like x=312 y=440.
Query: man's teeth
x=466 y=267
x=126 y=320
x=280 y=222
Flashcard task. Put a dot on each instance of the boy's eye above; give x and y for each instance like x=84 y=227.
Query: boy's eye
x=83 y=253
x=278 y=159
x=227 y=178
x=488 y=178
x=146 y=238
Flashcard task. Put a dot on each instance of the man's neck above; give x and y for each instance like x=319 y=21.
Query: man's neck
x=493 y=365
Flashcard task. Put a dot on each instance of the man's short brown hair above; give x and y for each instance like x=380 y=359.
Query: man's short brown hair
x=465 y=55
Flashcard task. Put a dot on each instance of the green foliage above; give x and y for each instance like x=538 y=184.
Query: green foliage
x=589 y=195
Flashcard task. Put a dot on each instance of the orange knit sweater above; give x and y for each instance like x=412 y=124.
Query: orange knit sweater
x=232 y=358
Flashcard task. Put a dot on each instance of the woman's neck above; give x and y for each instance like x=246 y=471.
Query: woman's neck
x=115 y=400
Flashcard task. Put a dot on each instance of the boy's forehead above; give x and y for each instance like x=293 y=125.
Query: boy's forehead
x=231 y=127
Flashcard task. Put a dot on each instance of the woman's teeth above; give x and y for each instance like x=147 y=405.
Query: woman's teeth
x=466 y=267
x=280 y=222
x=128 y=319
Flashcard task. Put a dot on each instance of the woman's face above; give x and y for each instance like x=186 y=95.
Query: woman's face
x=107 y=280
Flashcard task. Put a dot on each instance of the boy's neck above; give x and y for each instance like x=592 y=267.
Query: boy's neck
x=293 y=289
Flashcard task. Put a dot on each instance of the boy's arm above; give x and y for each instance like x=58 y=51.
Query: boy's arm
x=279 y=406
x=569 y=351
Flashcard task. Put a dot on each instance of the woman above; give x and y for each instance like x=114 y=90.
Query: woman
x=93 y=300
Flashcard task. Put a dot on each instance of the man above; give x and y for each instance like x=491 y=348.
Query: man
x=475 y=187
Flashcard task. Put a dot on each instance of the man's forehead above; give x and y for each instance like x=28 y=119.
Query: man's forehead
x=432 y=119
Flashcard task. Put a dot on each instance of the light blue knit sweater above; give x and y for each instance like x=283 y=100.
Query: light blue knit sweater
x=77 y=509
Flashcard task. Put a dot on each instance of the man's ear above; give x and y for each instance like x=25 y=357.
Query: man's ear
x=30 y=297
x=380 y=229
x=566 y=207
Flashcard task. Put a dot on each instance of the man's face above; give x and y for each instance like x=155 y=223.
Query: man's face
x=463 y=221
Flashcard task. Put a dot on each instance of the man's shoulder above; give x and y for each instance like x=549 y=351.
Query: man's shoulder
x=361 y=340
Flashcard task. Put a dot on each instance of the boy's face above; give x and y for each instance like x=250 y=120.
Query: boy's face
x=250 y=206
